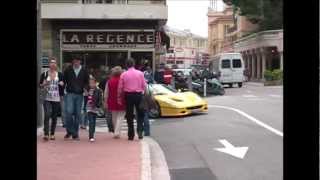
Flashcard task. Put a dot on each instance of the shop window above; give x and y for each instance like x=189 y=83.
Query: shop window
x=179 y=62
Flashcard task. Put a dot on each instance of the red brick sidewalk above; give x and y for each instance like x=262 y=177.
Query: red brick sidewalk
x=105 y=159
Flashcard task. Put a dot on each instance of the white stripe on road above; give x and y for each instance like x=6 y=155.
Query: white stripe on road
x=249 y=96
x=275 y=95
x=251 y=118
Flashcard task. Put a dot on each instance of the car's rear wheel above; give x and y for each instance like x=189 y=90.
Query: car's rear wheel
x=155 y=112
x=222 y=92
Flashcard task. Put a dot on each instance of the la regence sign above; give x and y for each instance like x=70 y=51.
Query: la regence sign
x=107 y=39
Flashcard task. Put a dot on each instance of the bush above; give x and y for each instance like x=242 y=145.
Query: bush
x=277 y=74
x=273 y=75
x=268 y=75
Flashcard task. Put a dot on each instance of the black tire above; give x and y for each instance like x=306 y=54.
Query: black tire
x=155 y=113
x=240 y=84
x=222 y=92
x=230 y=85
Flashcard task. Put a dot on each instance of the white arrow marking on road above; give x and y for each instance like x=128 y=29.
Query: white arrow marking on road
x=238 y=152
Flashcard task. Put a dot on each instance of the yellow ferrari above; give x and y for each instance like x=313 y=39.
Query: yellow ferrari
x=170 y=102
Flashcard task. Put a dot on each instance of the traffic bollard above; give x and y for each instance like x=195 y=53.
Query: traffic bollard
x=205 y=87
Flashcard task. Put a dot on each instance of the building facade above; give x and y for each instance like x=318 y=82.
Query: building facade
x=261 y=51
x=218 y=23
x=103 y=32
x=185 y=49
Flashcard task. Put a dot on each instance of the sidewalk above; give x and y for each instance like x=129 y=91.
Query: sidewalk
x=105 y=159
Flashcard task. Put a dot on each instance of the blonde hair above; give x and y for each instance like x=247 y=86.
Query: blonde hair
x=116 y=71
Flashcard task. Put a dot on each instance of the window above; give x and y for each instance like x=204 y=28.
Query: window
x=179 y=62
x=225 y=63
x=236 y=63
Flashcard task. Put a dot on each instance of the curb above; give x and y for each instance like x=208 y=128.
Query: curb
x=254 y=84
x=145 y=161
x=158 y=164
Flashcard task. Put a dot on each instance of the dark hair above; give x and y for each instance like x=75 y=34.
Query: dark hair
x=130 y=62
x=76 y=56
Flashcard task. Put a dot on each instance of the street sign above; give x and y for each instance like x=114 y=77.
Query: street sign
x=238 y=152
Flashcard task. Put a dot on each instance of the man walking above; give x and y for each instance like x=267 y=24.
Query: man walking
x=76 y=80
x=132 y=85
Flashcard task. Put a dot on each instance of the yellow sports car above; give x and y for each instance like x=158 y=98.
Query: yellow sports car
x=170 y=102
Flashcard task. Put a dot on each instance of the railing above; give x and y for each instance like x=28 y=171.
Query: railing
x=263 y=34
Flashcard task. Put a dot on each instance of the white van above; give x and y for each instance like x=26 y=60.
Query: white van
x=230 y=66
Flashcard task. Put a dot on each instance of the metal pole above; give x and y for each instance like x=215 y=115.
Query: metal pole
x=39 y=64
x=205 y=87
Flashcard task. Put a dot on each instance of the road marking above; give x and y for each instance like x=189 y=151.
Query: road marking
x=256 y=99
x=238 y=152
x=248 y=91
x=277 y=132
x=249 y=96
x=275 y=95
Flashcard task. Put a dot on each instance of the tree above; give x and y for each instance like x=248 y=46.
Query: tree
x=266 y=13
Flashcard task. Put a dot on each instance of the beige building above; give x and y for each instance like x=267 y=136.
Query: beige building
x=185 y=49
x=218 y=23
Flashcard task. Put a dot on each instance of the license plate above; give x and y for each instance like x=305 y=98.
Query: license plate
x=196 y=110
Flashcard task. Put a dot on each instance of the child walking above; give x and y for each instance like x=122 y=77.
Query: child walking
x=94 y=102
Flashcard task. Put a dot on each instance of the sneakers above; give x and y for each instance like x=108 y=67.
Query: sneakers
x=83 y=127
x=52 y=137
x=46 y=137
x=91 y=139
x=116 y=136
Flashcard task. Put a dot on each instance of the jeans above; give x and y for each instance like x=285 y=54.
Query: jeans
x=146 y=124
x=92 y=124
x=73 y=106
x=132 y=101
x=50 y=111
x=84 y=115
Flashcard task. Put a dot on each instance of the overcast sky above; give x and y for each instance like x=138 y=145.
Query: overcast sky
x=190 y=14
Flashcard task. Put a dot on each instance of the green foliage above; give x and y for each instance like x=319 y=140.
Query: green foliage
x=266 y=13
x=276 y=74
x=268 y=75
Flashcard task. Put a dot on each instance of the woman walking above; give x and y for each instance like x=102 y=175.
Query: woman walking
x=111 y=94
x=52 y=82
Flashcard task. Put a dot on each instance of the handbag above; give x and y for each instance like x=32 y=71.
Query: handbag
x=43 y=90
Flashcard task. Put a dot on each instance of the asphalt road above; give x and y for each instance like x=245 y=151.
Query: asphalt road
x=189 y=143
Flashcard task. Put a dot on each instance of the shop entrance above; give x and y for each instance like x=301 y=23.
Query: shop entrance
x=142 y=59
x=98 y=62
